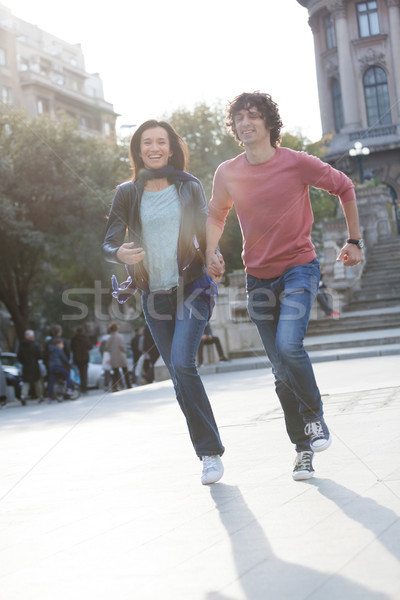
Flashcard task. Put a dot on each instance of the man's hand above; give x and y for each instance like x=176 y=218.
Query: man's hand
x=129 y=255
x=350 y=255
x=215 y=266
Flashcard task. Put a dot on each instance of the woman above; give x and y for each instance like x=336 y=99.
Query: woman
x=164 y=210
x=116 y=347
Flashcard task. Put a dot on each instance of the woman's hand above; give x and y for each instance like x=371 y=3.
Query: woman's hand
x=215 y=266
x=129 y=255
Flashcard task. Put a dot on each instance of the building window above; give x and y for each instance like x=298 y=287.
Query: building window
x=337 y=105
x=6 y=95
x=43 y=106
x=368 y=22
x=3 y=57
x=377 y=100
x=330 y=32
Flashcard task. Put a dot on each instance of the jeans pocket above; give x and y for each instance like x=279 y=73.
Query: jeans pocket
x=251 y=283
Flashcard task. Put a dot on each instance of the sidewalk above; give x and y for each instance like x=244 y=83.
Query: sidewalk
x=101 y=498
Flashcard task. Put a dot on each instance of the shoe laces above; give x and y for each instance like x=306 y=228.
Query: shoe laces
x=314 y=430
x=209 y=462
x=303 y=460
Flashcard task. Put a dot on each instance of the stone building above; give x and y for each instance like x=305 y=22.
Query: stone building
x=43 y=74
x=357 y=56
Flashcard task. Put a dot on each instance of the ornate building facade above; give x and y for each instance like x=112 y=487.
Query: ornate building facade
x=357 y=54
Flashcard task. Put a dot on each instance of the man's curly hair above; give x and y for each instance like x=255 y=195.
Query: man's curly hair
x=267 y=108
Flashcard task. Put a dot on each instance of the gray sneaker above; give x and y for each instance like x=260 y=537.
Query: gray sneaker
x=318 y=433
x=213 y=469
x=303 y=468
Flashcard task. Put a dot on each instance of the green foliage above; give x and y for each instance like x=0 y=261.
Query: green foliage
x=209 y=145
x=55 y=191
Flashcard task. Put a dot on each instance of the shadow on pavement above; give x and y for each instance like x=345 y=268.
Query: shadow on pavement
x=260 y=572
x=366 y=511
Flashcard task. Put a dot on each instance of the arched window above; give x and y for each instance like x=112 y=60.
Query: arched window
x=337 y=104
x=377 y=101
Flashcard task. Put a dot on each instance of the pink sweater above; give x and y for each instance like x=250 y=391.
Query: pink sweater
x=273 y=206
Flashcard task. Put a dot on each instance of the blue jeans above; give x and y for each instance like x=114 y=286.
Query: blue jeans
x=177 y=323
x=280 y=308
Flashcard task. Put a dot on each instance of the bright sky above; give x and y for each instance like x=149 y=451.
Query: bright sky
x=157 y=56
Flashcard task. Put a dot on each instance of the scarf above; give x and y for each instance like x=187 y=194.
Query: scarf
x=168 y=172
x=127 y=289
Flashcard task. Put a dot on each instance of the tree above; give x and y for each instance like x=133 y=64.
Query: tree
x=55 y=189
x=209 y=145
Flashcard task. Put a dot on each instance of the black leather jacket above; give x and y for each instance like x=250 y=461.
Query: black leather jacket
x=125 y=215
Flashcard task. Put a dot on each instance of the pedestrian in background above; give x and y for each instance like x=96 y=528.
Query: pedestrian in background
x=29 y=354
x=80 y=346
x=116 y=347
x=3 y=388
x=209 y=339
x=59 y=365
x=136 y=346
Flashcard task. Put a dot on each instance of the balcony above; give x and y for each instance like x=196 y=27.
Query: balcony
x=374 y=132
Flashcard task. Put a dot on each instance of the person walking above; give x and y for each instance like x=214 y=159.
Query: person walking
x=136 y=344
x=150 y=354
x=59 y=365
x=323 y=299
x=269 y=186
x=164 y=209
x=80 y=346
x=29 y=355
x=116 y=347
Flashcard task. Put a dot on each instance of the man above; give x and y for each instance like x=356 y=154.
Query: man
x=269 y=187
x=29 y=355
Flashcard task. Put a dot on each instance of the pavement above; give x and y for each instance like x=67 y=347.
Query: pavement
x=101 y=498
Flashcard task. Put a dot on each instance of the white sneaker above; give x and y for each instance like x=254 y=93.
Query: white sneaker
x=303 y=468
x=213 y=469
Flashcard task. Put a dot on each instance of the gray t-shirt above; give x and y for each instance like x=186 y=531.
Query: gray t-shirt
x=160 y=213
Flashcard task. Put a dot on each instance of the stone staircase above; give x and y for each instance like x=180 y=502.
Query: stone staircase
x=380 y=282
x=375 y=306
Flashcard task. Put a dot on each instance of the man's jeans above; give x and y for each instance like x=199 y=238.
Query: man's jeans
x=281 y=308
x=177 y=324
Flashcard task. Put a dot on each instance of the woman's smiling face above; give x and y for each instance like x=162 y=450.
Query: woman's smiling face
x=155 y=148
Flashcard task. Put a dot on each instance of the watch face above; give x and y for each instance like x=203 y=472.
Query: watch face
x=361 y=244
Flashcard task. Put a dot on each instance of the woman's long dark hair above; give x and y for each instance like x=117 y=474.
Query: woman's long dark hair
x=180 y=153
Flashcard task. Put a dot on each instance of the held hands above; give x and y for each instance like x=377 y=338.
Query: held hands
x=350 y=254
x=129 y=255
x=215 y=266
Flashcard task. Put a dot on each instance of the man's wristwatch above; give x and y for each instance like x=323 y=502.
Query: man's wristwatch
x=359 y=243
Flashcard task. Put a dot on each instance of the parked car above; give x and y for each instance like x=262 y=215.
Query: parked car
x=95 y=369
x=13 y=371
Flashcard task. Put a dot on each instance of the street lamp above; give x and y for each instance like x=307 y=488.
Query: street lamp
x=359 y=151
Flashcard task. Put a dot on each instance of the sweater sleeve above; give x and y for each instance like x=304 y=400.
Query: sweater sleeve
x=321 y=175
x=221 y=201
